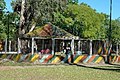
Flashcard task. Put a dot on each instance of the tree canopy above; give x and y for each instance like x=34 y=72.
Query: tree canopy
x=116 y=30
x=37 y=12
x=83 y=21
x=2 y=5
x=78 y=19
x=2 y=16
x=7 y=19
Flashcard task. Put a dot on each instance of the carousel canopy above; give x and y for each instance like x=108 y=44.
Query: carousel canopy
x=50 y=31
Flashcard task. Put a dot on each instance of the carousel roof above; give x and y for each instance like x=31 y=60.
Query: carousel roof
x=50 y=31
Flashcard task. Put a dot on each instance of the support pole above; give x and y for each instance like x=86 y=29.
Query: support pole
x=72 y=46
x=79 y=45
x=79 y=50
x=90 y=47
x=5 y=45
x=32 y=46
x=19 y=46
x=42 y=44
x=72 y=49
x=53 y=45
x=28 y=44
x=117 y=49
x=10 y=46
x=110 y=24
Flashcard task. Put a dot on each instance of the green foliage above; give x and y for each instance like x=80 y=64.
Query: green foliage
x=73 y=1
x=83 y=21
x=78 y=19
x=2 y=26
x=2 y=31
x=2 y=4
x=116 y=31
x=39 y=11
x=8 y=19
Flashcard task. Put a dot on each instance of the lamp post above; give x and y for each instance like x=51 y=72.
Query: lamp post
x=109 y=35
x=8 y=31
x=110 y=24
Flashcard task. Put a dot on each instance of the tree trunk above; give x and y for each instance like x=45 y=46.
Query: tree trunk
x=22 y=19
x=32 y=27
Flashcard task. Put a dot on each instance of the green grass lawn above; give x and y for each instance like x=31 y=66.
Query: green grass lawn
x=59 y=72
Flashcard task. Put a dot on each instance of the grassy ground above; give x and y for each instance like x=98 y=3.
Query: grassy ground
x=58 y=72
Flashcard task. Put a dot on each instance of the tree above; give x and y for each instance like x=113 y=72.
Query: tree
x=37 y=12
x=22 y=18
x=116 y=33
x=2 y=16
x=78 y=19
x=73 y=1
x=83 y=21
x=116 y=30
x=2 y=5
x=3 y=35
x=7 y=19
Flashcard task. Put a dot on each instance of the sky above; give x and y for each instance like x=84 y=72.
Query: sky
x=100 y=6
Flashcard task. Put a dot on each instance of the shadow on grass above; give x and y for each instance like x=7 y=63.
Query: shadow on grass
x=111 y=67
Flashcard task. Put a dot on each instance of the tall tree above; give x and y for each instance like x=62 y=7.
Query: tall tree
x=7 y=19
x=83 y=21
x=22 y=18
x=2 y=5
x=116 y=33
x=2 y=16
x=37 y=12
x=116 y=30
